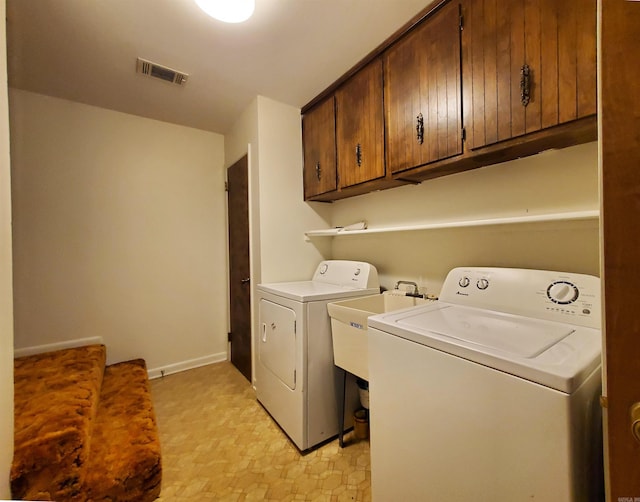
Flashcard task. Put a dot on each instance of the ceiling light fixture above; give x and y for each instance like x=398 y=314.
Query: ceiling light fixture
x=229 y=11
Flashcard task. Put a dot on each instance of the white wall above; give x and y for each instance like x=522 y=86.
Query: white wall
x=119 y=232
x=284 y=216
x=559 y=180
x=6 y=293
x=278 y=216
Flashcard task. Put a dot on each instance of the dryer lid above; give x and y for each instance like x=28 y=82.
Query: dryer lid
x=310 y=291
x=332 y=280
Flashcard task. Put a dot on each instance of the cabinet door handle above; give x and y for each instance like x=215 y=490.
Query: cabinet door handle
x=525 y=84
x=635 y=421
x=318 y=171
x=358 y=154
x=420 y=128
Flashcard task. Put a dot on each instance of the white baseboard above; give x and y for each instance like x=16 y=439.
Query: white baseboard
x=68 y=344
x=153 y=373
x=186 y=365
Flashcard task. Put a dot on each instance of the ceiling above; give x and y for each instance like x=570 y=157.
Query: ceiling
x=290 y=50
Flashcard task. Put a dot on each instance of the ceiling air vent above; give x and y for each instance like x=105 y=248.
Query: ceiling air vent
x=162 y=72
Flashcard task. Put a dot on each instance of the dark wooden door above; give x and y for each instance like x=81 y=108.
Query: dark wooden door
x=239 y=272
x=422 y=94
x=319 y=144
x=556 y=40
x=360 y=127
x=620 y=142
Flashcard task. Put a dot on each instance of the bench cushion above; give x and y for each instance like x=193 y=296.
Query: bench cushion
x=56 y=397
x=125 y=453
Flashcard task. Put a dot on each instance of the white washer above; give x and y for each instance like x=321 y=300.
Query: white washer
x=296 y=380
x=491 y=393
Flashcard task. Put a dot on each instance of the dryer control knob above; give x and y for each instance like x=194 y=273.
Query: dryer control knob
x=464 y=282
x=483 y=284
x=562 y=292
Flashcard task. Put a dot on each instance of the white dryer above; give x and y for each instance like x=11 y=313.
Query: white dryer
x=491 y=393
x=296 y=380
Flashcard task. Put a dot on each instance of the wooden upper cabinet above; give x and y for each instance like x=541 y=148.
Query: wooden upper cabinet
x=467 y=83
x=360 y=127
x=319 y=144
x=527 y=65
x=423 y=98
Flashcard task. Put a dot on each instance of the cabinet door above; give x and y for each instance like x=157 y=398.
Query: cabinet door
x=360 y=127
x=503 y=40
x=423 y=100
x=319 y=144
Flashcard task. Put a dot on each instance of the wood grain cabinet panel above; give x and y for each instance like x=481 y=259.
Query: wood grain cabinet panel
x=423 y=98
x=465 y=84
x=527 y=65
x=319 y=145
x=360 y=127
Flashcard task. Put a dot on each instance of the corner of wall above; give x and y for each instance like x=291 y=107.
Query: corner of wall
x=6 y=288
x=284 y=252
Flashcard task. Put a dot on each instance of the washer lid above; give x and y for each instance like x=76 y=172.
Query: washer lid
x=514 y=335
x=557 y=355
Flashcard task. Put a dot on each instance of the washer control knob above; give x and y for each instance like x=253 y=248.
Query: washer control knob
x=562 y=292
x=483 y=284
x=464 y=282
x=323 y=268
x=357 y=272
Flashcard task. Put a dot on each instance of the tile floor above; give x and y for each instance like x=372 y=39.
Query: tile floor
x=219 y=444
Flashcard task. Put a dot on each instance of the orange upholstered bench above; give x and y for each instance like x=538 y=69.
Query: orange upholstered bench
x=82 y=431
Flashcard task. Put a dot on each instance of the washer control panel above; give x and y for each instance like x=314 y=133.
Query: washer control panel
x=543 y=294
x=481 y=284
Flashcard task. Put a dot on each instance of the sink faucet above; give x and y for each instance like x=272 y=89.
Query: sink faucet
x=410 y=283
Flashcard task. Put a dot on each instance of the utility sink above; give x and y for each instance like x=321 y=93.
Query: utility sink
x=349 y=327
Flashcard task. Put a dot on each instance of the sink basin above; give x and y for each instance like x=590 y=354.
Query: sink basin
x=349 y=328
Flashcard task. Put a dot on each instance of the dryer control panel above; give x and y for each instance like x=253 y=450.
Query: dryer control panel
x=543 y=294
x=351 y=274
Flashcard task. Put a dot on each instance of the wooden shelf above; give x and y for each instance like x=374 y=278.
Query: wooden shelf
x=509 y=220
